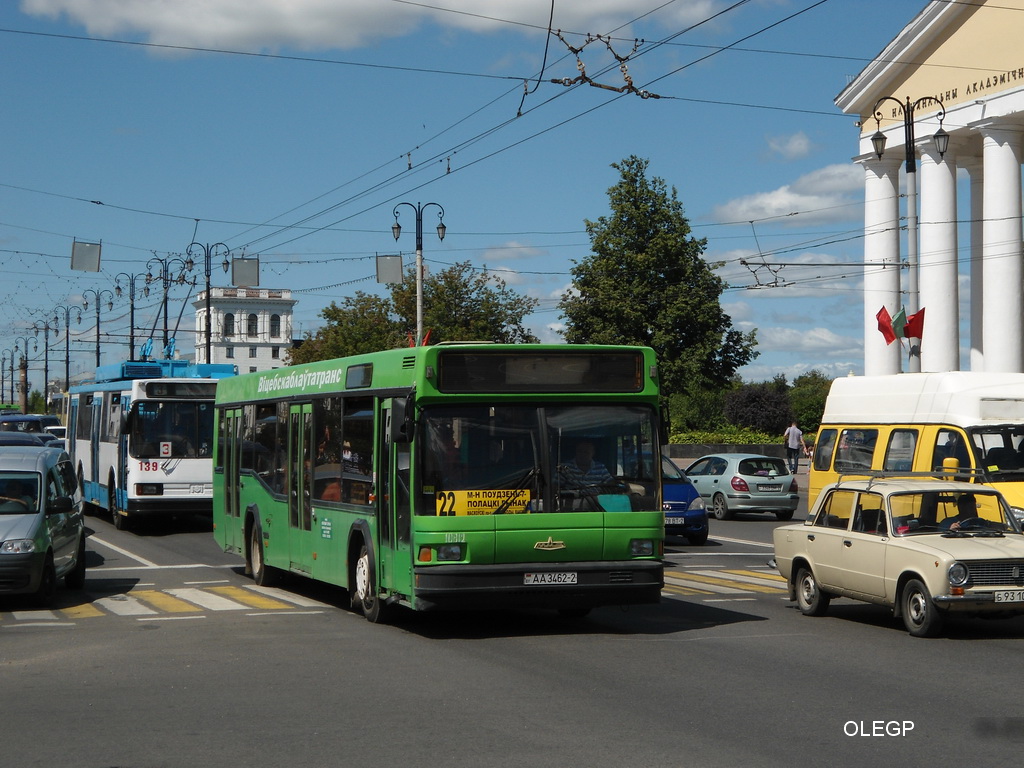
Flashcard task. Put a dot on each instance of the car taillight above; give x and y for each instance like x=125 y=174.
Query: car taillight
x=739 y=484
x=793 y=487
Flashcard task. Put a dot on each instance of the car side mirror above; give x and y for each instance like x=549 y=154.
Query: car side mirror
x=61 y=504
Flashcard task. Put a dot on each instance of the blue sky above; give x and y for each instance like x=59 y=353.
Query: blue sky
x=291 y=130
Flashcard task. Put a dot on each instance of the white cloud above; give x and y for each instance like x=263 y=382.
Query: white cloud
x=335 y=24
x=832 y=193
x=791 y=147
x=814 y=340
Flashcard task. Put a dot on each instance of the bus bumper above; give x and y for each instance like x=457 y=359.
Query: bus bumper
x=168 y=506
x=526 y=585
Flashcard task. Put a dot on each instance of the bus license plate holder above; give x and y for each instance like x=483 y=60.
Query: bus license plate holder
x=549 y=578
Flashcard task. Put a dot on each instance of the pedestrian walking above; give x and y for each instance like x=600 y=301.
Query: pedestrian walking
x=794 y=440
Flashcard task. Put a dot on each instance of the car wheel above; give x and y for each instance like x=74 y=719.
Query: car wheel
x=47 y=590
x=809 y=596
x=364 y=593
x=262 y=574
x=75 y=578
x=784 y=514
x=698 y=539
x=120 y=521
x=920 y=616
x=719 y=507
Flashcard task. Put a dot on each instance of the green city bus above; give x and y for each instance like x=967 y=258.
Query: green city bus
x=452 y=476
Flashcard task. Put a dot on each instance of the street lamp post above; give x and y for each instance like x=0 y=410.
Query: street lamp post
x=23 y=366
x=66 y=311
x=45 y=327
x=878 y=140
x=396 y=230
x=209 y=252
x=10 y=371
x=99 y=300
x=131 y=305
x=165 y=278
x=4 y=355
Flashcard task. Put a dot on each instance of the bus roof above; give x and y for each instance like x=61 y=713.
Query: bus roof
x=161 y=369
x=959 y=398
x=403 y=368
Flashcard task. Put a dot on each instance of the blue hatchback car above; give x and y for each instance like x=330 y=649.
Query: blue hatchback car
x=685 y=514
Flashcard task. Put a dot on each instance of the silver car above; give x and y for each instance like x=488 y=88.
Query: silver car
x=744 y=482
x=42 y=532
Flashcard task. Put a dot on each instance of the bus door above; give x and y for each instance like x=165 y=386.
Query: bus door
x=300 y=507
x=94 y=440
x=230 y=465
x=393 y=510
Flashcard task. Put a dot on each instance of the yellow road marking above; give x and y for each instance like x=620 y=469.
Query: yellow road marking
x=164 y=602
x=730 y=583
x=677 y=590
x=83 y=611
x=759 y=574
x=250 y=598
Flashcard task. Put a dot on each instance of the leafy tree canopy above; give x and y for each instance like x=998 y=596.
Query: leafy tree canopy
x=460 y=304
x=646 y=282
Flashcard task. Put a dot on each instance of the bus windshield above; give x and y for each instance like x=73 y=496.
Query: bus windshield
x=512 y=459
x=165 y=429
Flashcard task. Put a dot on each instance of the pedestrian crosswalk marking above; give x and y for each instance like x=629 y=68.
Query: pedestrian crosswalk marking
x=251 y=599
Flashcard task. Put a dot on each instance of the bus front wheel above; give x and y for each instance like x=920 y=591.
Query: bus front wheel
x=364 y=593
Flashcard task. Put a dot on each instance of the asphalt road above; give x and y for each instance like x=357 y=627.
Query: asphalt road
x=172 y=658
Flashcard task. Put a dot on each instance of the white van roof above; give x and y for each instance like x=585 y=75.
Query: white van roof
x=960 y=398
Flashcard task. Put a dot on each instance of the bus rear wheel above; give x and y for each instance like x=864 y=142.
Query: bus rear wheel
x=262 y=573
x=364 y=593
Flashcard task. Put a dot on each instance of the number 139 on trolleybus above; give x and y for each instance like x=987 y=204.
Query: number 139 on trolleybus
x=449 y=476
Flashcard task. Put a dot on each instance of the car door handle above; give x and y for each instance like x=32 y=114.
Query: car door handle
x=847 y=543
x=810 y=537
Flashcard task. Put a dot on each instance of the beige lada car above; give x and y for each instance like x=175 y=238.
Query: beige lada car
x=925 y=548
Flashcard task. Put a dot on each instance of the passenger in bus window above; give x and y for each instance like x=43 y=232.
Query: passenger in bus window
x=584 y=470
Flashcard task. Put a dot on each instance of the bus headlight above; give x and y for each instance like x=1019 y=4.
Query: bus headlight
x=641 y=547
x=449 y=552
x=958 y=574
x=17 y=547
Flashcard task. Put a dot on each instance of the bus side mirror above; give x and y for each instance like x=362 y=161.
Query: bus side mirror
x=402 y=409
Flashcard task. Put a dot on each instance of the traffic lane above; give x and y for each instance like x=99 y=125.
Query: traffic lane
x=713 y=686
x=158 y=542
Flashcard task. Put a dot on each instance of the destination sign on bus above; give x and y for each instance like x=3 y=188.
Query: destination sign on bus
x=513 y=501
x=189 y=389
x=541 y=371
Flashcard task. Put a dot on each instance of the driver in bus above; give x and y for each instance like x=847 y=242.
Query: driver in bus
x=584 y=470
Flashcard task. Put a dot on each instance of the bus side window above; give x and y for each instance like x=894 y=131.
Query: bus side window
x=899 y=454
x=823 y=450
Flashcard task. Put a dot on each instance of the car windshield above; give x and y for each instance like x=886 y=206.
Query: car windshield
x=483 y=459
x=951 y=513
x=670 y=472
x=763 y=467
x=19 y=492
x=1000 y=450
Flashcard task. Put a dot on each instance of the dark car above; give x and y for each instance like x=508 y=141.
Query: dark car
x=20 y=438
x=685 y=513
x=35 y=423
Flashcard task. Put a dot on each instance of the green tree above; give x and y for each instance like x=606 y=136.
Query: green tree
x=763 y=406
x=460 y=304
x=464 y=304
x=362 y=323
x=807 y=399
x=646 y=282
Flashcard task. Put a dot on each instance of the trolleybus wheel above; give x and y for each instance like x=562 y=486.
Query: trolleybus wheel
x=262 y=574
x=365 y=588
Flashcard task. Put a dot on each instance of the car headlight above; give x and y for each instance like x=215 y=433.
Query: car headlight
x=17 y=547
x=697 y=503
x=958 y=574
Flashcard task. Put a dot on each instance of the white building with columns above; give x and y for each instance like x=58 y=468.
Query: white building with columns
x=963 y=62
x=249 y=327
